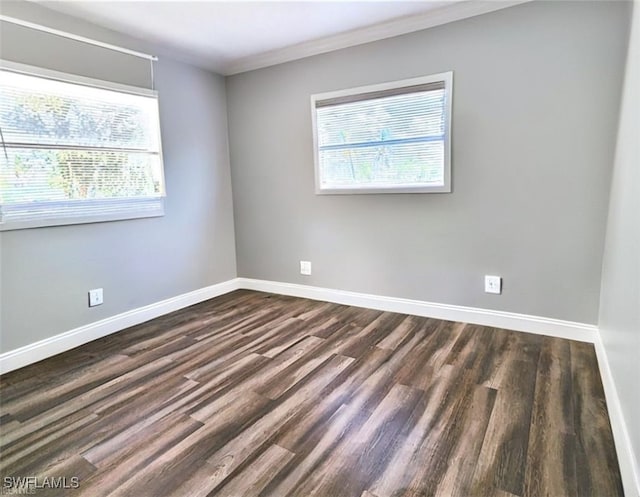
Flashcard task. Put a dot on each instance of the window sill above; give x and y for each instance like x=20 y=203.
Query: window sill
x=349 y=190
x=19 y=219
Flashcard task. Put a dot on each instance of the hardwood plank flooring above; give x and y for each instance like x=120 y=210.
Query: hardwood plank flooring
x=259 y=395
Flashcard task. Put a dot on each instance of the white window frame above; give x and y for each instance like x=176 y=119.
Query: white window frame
x=446 y=78
x=66 y=212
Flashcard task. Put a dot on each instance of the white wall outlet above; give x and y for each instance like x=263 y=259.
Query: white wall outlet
x=305 y=267
x=493 y=284
x=95 y=297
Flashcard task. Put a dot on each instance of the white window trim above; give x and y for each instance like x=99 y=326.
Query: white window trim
x=447 y=78
x=131 y=208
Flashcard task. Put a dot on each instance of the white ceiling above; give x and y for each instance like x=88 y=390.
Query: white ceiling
x=235 y=36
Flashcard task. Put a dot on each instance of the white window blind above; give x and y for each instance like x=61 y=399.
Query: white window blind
x=76 y=150
x=384 y=138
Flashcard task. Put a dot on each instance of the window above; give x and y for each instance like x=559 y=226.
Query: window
x=387 y=138
x=76 y=150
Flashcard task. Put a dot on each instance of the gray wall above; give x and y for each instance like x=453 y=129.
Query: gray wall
x=46 y=272
x=536 y=96
x=620 y=298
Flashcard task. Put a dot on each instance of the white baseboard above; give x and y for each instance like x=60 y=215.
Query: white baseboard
x=48 y=347
x=68 y=340
x=486 y=317
x=626 y=458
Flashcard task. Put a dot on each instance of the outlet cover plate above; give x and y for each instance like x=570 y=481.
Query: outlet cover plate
x=493 y=284
x=95 y=297
x=305 y=268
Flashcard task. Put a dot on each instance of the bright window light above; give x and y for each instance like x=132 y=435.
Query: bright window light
x=389 y=138
x=76 y=150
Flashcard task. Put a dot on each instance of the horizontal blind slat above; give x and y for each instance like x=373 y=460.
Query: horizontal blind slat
x=385 y=139
x=70 y=143
x=405 y=116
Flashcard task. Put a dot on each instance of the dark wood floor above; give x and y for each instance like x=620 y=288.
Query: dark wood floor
x=252 y=394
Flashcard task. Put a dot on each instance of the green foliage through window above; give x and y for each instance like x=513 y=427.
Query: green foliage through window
x=66 y=142
x=384 y=138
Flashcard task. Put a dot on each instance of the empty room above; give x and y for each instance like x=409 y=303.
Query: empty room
x=320 y=248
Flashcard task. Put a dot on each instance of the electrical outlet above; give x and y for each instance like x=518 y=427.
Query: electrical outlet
x=95 y=297
x=493 y=284
x=305 y=267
